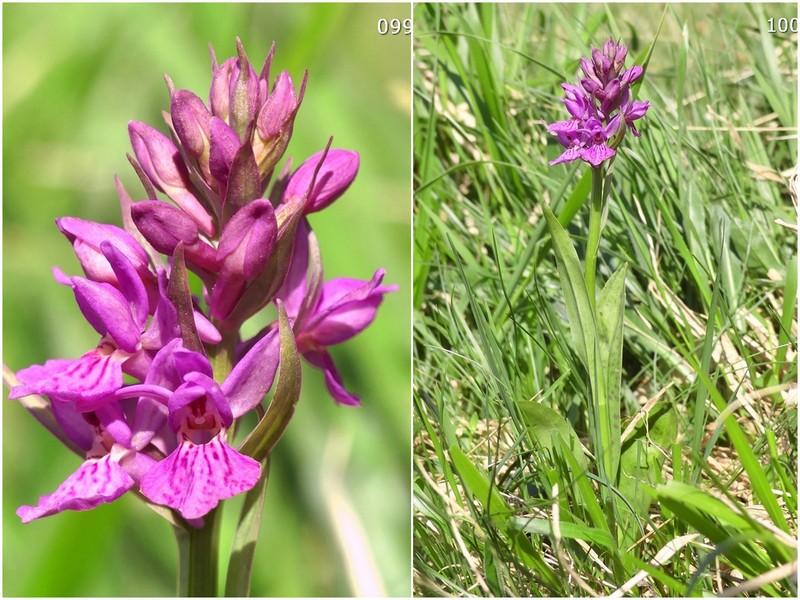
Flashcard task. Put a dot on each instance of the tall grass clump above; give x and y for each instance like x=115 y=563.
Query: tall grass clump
x=605 y=385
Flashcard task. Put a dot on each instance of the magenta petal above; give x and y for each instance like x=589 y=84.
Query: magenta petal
x=346 y=307
x=335 y=175
x=87 y=381
x=130 y=283
x=86 y=237
x=97 y=481
x=198 y=386
x=567 y=156
x=294 y=287
x=253 y=375
x=194 y=478
x=73 y=423
x=333 y=380
x=224 y=145
x=248 y=239
x=205 y=329
x=149 y=417
x=108 y=311
x=595 y=155
x=113 y=420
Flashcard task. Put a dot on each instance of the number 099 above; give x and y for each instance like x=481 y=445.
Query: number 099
x=394 y=26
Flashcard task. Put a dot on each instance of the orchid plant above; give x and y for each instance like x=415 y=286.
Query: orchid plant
x=154 y=408
x=602 y=110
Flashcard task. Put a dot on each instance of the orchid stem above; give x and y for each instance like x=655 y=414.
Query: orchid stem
x=198 y=550
x=593 y=242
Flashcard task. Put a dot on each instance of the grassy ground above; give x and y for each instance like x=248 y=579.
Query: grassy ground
x=74 y=75
x=702 y=209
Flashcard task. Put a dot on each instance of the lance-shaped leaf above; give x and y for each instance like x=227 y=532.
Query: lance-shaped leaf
x=545 y=426
x=644 y=453
x=243 y=549
x=583 y=326
x=270 y=428
x=181 y=297
x=576 y=296
x=610 y=316
x=145 y=181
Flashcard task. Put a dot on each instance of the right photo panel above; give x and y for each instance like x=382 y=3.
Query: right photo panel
x=605 y=300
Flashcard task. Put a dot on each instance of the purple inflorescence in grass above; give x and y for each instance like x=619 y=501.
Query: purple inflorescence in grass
x=600 y=107
x=165 y=431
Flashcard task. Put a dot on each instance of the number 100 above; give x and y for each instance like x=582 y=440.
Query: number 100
x=784 y=25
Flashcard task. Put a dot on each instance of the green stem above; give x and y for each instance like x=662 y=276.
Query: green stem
x=593 y=242
x=198 y=551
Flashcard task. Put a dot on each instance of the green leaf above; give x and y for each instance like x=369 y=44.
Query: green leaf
x=574 y=531
x=545 y=427
x=270 y=428
x=240 y=565
x=479 y=486
x=610 y=317
x=576 y=297
x=644 y=453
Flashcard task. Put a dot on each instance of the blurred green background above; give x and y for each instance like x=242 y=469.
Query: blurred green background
x=337 y=515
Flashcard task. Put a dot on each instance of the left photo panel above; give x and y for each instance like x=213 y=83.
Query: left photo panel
x=206 y=300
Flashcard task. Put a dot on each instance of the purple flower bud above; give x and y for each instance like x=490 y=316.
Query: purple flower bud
x=632 y=75
x=275 y=122
x=244 y=94
x=163 y=165
x=610 y=97
x=192 y=123
x=224 y=145
x=220 y=94
x=279 y=107
x=244 y=249
x=248 y=239
x=578 y=105
x=337 y=172
x=165 y=226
